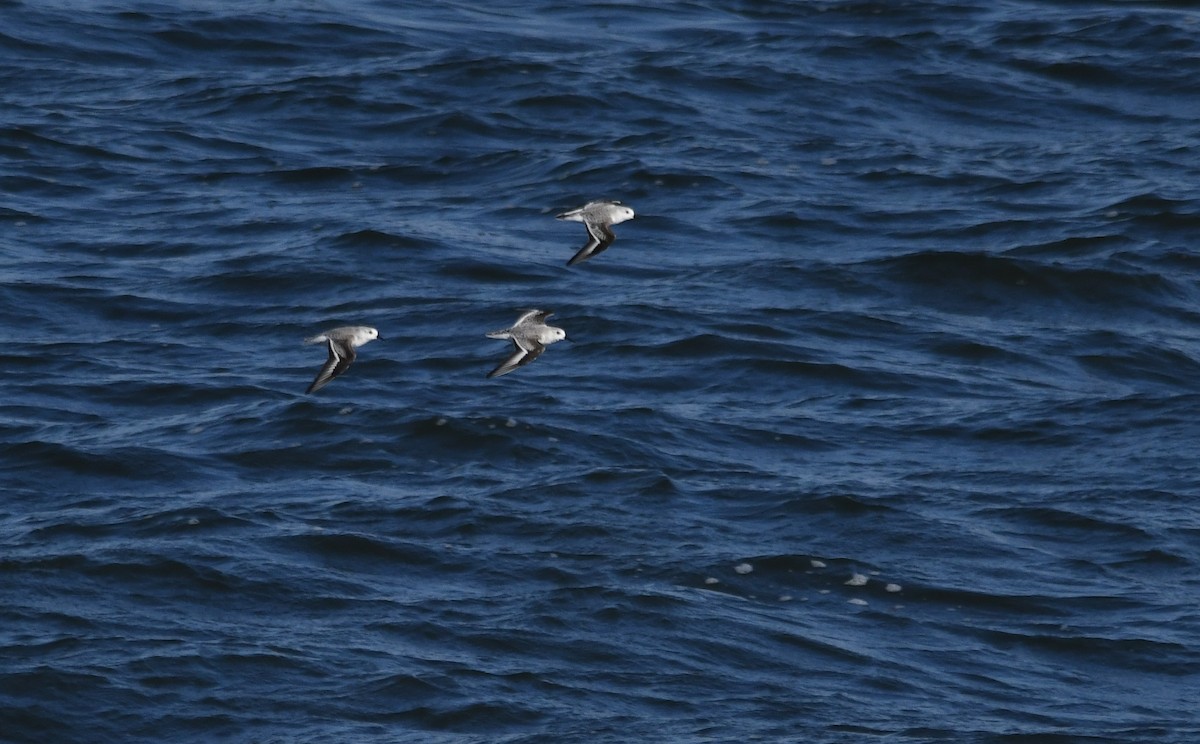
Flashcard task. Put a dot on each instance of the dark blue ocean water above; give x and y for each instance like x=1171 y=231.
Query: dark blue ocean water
x=911 y=299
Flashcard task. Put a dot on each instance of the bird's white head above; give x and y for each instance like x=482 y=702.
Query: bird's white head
x=623 y=214
x=555 y=334
x=366 y=334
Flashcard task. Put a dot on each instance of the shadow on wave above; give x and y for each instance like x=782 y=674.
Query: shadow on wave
x=983 y=279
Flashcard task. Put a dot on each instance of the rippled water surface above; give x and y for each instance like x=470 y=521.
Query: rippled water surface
x=878 y=423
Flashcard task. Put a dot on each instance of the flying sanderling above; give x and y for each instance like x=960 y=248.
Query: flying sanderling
x=598 y=217
x=342 y=343
x=530 y=336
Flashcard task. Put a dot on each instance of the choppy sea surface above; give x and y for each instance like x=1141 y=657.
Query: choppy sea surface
x=880 y=421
